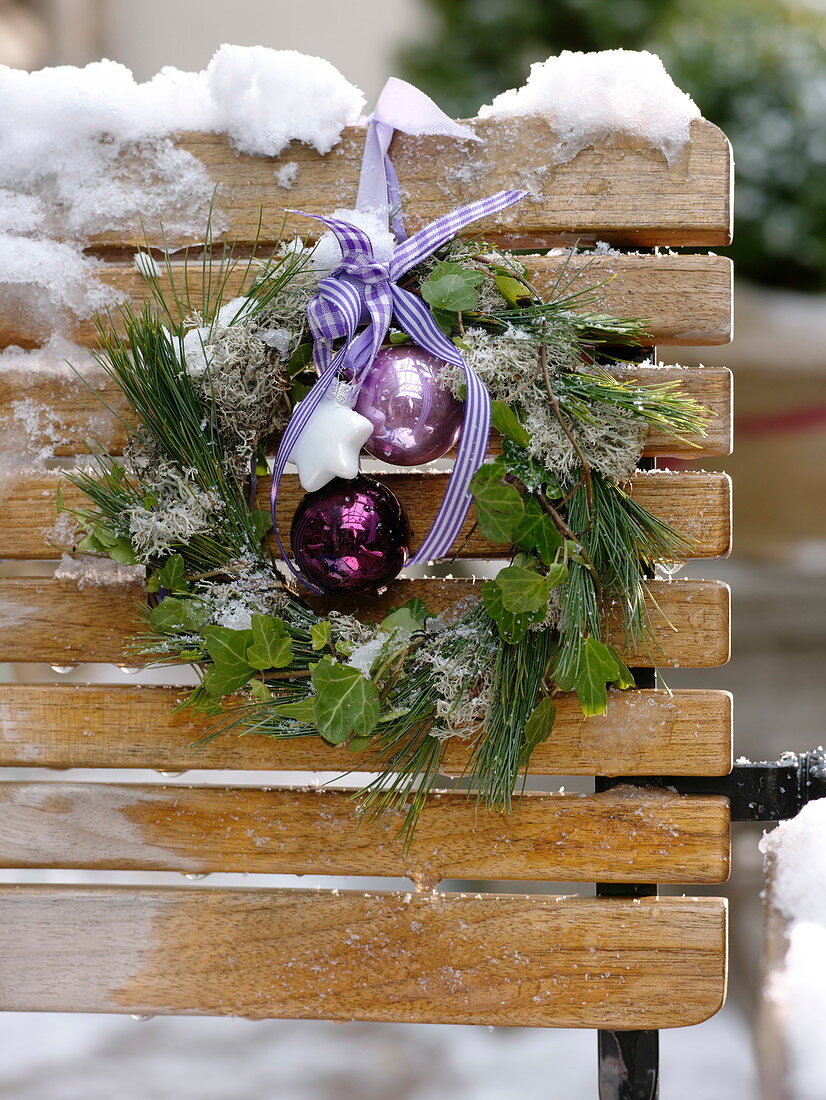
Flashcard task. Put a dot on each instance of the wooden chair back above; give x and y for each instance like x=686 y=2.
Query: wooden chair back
x=518 y=958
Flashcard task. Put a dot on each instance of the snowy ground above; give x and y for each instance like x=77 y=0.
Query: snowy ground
x=60 y=1057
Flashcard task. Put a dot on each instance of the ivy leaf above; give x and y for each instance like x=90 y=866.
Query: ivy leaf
x=302 y=711
x=121 y=551
x=444 y=319
x=346 y=703
x=572 y=550
x=90 y=545
x=271 y=646
x=203 y=703
x=356 y=744
x=101 y=540
x=262 y=521
x=531 y=473
x=104 y=536
x=536 y=531
x=512 y=628
x=409 y=617
x=174 y=615
x=624 y=679
x=507 y=423
x=301 y=359
x=557 y=573
x=597 y=667
x=171 y=574
x=320 y=634
x=537 y=728
x=398 y=338
x=298 y=391
x=452 y=287
x=499 y=506
x=260 y=691
x=522 y=589
x=230 y=669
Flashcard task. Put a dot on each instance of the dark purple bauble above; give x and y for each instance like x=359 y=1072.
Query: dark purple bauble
x=414 y=418
x=350 y=536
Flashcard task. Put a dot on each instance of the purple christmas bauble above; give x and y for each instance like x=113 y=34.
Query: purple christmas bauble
x=414 y=418
x=350 y=536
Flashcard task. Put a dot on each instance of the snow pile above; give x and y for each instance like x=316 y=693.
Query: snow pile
x=264 y=99
x=588 y=98
x=797 y=849
x=63 y=132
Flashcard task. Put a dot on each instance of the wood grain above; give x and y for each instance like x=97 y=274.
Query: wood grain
x=51 y=410
x=624 y=835
x=622 y=192
x=698 y=504
x=687 y=299
x=130 y=726
x=55 y=622
x=487 y=959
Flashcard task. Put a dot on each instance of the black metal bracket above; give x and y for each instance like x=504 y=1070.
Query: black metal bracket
x=764 y=791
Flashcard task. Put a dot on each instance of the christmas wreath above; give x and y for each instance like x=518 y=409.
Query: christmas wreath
x=407 y=348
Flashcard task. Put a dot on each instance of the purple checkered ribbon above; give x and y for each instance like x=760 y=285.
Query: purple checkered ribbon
x=363 y=287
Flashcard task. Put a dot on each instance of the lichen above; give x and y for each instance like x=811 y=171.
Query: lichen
x=253 y=591
x=181 y=509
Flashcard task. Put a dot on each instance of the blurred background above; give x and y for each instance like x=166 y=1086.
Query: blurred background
x=757 y=68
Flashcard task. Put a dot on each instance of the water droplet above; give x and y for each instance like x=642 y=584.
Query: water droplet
x=63 y=670
x=142 y=1018
x=170 y=775
x=195 y=874
x=128 y=670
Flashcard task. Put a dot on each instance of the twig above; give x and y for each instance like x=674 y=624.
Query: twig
x=567 y=533
x=586 y=468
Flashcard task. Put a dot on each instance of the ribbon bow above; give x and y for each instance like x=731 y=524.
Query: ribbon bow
x=360 y=288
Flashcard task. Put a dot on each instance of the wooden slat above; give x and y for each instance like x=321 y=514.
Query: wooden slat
x=130 y=726
x=488 y=959
x=623 y=192
x=688 y=299
x=55 y=622
x=623 y=835
x=699 y=504
x=60 y=413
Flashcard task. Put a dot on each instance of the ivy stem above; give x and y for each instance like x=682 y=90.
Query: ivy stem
x=567 y=533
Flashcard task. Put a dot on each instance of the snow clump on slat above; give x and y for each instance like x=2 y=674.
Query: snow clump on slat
x=589 y=98
x=64 y=180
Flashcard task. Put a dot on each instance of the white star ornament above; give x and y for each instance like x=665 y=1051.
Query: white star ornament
x=330 y=444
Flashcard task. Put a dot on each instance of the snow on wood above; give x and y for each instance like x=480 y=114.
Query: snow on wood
x=63 y=131
x=589 y=98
